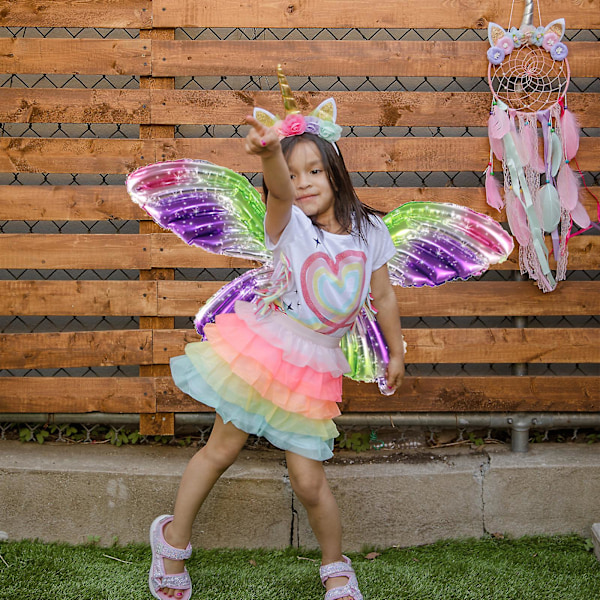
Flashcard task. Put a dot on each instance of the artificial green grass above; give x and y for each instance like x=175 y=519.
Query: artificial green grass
x=552 y=568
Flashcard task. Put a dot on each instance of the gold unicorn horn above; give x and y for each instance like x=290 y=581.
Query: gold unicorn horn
x=286 y=92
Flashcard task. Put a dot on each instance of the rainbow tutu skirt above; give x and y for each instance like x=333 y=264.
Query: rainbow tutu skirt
x=269 y=376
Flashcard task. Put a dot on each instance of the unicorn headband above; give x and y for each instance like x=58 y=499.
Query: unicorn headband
x=320 y=121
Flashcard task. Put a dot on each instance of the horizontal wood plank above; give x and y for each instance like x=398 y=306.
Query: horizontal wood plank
x=456 y=346
x=77 y=394
x=84 y=251
x=77 y=56
x=75 y=349
x=40 y=105
x=370 y=154
x=209 y=107
x=54 y=155
x=49 y=155
x=67 y=203
x=133 y=14
x=102 y=202
x=341 y=58
x=441 y=394
x=165 y=250
x=457 y=14
x=78 y=298
x=457 y=299
x=381 y=109
x=169 y=252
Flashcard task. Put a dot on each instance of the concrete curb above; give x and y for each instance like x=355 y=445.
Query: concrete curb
x=58 y=492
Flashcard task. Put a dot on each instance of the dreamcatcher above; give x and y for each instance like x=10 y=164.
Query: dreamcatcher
x=218 y=210
x=529 y=75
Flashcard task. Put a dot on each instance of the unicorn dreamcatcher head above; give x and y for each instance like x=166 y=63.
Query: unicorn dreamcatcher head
x=528 y=76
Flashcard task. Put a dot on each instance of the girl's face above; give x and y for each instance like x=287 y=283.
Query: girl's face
x=314 y=194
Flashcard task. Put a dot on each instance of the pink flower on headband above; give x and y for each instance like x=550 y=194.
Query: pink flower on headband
x=293 y=124
x=549 y=39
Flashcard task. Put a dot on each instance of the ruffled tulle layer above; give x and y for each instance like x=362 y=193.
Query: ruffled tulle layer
x=263 y=386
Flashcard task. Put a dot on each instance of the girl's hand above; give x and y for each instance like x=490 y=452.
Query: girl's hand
x=261 y=140
x=395 y=371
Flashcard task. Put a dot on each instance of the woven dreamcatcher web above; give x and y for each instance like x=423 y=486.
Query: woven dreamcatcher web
x=528 y=76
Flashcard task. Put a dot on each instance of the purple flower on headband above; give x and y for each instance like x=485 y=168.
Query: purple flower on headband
x=495 y=55
x=559 y=51
x=313 y=125
x=293 y=124
x=330 y=132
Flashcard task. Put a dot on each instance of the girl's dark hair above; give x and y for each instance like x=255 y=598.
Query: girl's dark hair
x=346 y=204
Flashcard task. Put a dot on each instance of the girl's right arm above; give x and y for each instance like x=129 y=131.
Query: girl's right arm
x=264 y=142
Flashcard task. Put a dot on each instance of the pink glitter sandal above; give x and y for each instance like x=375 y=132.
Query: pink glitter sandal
x=341 y=569
x=157 y=578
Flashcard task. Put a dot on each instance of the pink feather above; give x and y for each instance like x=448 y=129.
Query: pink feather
x=492 y=192
x=498 y=123
x=580 y=216
x=497 y=147
x=517 y=219
x=529 y=141
x=570 y=133
x=567 y=184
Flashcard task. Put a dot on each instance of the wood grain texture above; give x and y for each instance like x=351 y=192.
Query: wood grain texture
x=102 y=202
x=458 y=299
x=369 y=154
x=67 y=203
x=441 y=14
x=441 y=394
x=39 y=105
x=77 y=56
x=455 y=346
x=77 y=394
x=382 y=109
x=56 y=155
x=66 y=13
x=75 y=349
x=79 y=298
x=340 y=58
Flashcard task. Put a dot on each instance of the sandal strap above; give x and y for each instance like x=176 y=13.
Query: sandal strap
x=161 y=547
x=336 y=569
x=181 y=581
x=349 y=590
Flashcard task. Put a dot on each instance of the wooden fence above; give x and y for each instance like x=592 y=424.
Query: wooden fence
x=157 y=298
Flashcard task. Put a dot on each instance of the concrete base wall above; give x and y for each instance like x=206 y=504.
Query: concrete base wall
x=58 y=492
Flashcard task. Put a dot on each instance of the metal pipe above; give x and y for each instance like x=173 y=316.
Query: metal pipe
x=518 y=423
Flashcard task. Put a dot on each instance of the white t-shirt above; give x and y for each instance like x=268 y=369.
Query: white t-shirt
x=331 y=273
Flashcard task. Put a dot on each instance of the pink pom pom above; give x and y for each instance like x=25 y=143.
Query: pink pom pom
x=568 y=187
x=492 y=192
x=570 y=133
x=580 y=216
x=517 y=219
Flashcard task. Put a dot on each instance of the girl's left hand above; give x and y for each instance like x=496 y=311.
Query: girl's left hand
x=395 y=371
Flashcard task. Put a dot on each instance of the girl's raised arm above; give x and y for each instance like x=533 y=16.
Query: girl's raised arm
x=264 y=142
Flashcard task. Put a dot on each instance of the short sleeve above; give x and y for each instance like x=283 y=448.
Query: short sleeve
x=295 y=216
x=380 y=241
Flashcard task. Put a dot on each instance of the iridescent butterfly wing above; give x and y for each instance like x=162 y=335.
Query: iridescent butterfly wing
x=435 y=243
x=213 y=208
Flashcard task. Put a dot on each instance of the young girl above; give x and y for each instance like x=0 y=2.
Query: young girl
x=279 y=375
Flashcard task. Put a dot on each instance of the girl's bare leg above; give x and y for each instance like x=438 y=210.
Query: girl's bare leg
x=310 y=485
x=201 y=474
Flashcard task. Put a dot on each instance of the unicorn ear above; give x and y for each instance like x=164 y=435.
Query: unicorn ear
x=265 y=117
x=557 y=27
x=495 y=32
x=326 y=111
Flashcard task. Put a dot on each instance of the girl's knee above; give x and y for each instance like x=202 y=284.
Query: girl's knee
x=309 y=489
x=221 y=457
